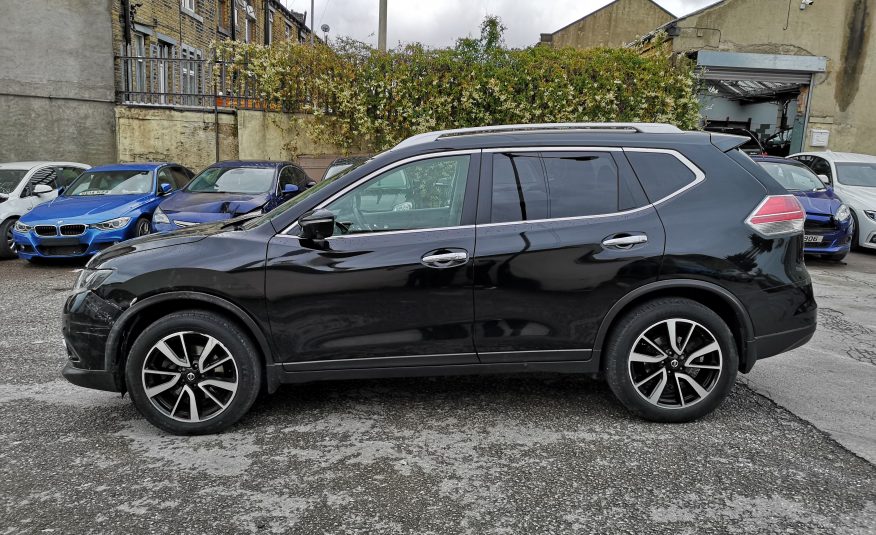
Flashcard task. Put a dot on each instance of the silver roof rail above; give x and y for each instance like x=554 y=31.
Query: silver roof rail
x=644 y=128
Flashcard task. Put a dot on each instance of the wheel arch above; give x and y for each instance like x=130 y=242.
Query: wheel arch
x=718 y=299
x=142 y=313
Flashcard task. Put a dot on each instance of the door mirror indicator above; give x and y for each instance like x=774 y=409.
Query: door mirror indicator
x=40 y=189
x=317 y=225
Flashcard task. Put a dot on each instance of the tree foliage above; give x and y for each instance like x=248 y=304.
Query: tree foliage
x=366 y=98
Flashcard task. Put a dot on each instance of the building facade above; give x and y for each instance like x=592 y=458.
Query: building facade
x=615 y=25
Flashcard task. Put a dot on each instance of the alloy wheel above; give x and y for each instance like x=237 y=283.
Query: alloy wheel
x=190 y=377
x=10 y=241
x=675 y=363
x=142 y=228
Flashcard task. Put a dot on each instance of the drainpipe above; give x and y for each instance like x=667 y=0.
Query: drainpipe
x=233 y=19
x=267 y=18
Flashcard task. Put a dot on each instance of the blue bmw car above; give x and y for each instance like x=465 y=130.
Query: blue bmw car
x=829 y=225
x=230 y=189
x=104 y=206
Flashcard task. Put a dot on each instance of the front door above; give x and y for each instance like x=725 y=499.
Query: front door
x=561 y=236
x=393 y=286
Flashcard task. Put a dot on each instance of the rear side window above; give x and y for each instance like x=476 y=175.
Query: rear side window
x=519 y=189
x=581 y=183
x=661 y=174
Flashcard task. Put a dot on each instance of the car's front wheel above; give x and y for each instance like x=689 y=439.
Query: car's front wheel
x=671 y=360
x=7 y=243
x=143 y=227
x=193 y=372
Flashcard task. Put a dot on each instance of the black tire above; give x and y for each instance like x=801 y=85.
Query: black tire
x=5 y=237
x=625 y=337
x=856 y=237
x=245 y=366
x=143 y=227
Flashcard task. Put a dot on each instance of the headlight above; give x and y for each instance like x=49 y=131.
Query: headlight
x=21 y=227
x=871 y=214
x=843 y=213
x=112 y=224
x=90 y=279
x=160 y=217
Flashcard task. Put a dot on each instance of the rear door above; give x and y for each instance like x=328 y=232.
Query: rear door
x=561 y=236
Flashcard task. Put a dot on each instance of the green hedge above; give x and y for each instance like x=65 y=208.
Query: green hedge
x=371 y=99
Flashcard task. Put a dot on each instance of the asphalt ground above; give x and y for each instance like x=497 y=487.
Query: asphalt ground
x=497 y=454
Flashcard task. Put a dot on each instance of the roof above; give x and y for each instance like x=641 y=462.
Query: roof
x=31 y=165
x=848 y=157
x=675 y=20
x=142 y=166
x=251 y=163
x=298 y=17
x=576 y=21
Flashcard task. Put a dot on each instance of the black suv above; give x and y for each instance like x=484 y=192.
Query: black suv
x=664 y=261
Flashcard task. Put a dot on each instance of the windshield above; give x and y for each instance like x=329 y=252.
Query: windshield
x=128 y=182
x=857 y=174
x=793 y=177
x=9 y=178
x=233 y=180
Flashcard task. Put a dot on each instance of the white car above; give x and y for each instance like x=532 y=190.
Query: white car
x=853 y=178
x=23 y=185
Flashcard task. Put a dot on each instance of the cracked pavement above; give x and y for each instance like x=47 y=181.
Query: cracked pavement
x=492 y=454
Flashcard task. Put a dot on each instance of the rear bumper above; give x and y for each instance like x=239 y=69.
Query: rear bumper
x=774 y=344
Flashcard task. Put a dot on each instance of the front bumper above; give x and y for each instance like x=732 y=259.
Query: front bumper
x=834 y=237
x=86 y=323
x=188 y=219
x=30 y=245
x=866 y=231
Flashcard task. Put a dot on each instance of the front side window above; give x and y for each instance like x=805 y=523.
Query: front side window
x=857 y=174
x=418 y=195
x=820 y=166
x=129 y=182
x=9 y=179
x=793 y=177
x=46 y=176
x=180 y=177
x=250 y=180
x=66 y=175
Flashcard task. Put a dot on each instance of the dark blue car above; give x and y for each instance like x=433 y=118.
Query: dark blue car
x=105 y=205
x=829 y=225
x=230 y=189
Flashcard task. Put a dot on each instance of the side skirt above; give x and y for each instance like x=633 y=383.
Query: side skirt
x=277 y=375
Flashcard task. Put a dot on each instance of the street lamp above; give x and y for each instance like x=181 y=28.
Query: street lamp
x=325 y=30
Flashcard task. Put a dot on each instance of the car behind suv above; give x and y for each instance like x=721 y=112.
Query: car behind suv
x=664 y=261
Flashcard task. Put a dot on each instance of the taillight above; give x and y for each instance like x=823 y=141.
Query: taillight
x=777 y=214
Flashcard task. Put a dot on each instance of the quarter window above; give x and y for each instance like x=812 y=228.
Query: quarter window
x=419 y=195
x=661 y=174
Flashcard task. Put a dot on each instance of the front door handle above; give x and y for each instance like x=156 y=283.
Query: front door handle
x=444 y=258
x=623 y=242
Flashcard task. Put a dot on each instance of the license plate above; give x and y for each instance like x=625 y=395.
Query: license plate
x=809 y=238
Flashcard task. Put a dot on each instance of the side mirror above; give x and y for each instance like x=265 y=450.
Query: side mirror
x=290 y=189
x=825 y=179
x=40 y=189
x=165 y=188
x=317 y=225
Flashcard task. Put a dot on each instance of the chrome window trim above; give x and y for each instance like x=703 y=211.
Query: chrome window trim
x=699 y=176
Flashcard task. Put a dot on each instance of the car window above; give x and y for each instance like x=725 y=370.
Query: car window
x=856 y=174
x=64 y=176
x=180 y=177
x=233 y=180
x=660 y=173
x=519 y=188
x=820 y=166
x=9 y=179
x=164 y=177
x=45 y=176
x=286 y=178
x=301 y=178
x=418 y=195
x=793 y=177
x=581 y=183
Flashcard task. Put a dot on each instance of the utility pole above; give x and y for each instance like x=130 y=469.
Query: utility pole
x=381 y=28
x=312 y=21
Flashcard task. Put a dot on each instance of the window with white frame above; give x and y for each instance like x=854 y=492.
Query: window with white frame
x=288 y=31
x=138 y=42
x=270 y=27
x=189 y=5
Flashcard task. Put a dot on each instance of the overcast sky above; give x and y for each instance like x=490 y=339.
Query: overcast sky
x=438 y=23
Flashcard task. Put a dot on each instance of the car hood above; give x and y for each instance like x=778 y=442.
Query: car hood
x=85 y=209
x=225 y=204
x=824 y=202
x=157 y=241
x=859 y=197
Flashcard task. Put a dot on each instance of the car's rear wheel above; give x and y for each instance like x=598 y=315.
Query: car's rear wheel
x=143 y=227
x=7 y=243
x=671 y=360
x=193 y=372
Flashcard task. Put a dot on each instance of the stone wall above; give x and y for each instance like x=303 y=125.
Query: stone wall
x=614 y=25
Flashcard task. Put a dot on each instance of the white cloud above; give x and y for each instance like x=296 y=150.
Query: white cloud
x=439 y=23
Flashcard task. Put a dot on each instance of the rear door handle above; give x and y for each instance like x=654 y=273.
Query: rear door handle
x=443 y=258
x=624 y=242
